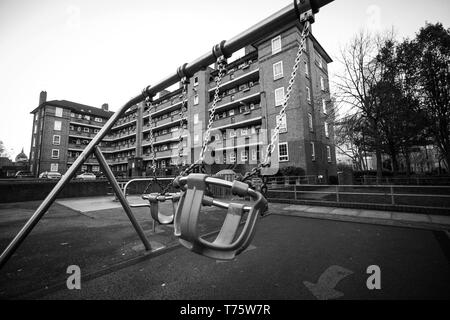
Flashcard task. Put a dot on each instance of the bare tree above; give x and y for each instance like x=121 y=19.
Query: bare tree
x=355 y=88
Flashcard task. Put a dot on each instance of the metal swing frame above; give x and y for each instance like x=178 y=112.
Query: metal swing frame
x=284 y=16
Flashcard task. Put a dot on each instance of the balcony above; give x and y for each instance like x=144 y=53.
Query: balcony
x=239 y=120
x=123 y=147
x=172 y=136
x=122 y=123
x=119 y=136
x=164 y=123
x=80 y=134
x=86 y=123
x=242 y=73
x=77 y=147
x=233 y=100
x=88 y=161
x=164 y=108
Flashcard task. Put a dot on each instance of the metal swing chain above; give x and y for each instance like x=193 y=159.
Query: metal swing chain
x=184 y=104
x=221 y=64
x=271 y=147
x=149 y=104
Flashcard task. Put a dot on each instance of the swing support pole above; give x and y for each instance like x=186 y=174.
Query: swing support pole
x=285 y=16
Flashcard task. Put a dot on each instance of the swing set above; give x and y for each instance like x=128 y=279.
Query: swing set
x=188 y=202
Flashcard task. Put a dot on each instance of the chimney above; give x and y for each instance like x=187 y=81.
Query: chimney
x=43 y=97
x=105 y=107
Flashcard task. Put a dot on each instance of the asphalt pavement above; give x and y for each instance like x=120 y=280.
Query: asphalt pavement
x=287 y=255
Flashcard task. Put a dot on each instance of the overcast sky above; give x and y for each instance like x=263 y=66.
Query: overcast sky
x=97 y=51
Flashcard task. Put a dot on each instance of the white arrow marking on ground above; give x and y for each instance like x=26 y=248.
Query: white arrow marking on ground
x=324 y=288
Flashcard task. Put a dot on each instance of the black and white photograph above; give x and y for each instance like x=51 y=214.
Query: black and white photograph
x=224 y=156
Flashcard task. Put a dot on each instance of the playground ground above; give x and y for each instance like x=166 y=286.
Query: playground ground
x=294 y=245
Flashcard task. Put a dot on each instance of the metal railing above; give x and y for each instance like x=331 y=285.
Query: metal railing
x=424 y=197
x=292 y=180
x=372 y=180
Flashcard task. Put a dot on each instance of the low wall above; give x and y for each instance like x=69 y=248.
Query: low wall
x=12 y=190
x=18 y=191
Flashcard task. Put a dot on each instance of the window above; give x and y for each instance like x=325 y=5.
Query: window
x=86 y=117
x=195 y=81
x=278 y=70
x=276 y=45
x=196 y=100
x=72 y=115
x=283 y=153
x=319 y=61
x=96 y=130
x=322 y=84
x=306 y=69
x=86 y=129
x=95 y=168
x=79 y=129
x=98 y=119
x=55 y=153
x=56 y=140
x=196 y=138
x=72 y=127
x=84 y=168
x=233 y=157
x=58 y=112
x=35 y=129
x=313 y=152
x=308 y=94
x=283 y=125
x=324 y=106
x=329 y=153
x=310 y=122
x=244 y=132
x=231 y=112
x=232 y=133
x=254 y=155
x=196 y=118
x=279 y=96
x=54 y=167
x=57 y=126
x=34 y=142
x=244 y=155
x=326 y=130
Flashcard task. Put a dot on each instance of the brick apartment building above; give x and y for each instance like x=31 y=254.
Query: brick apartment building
x=251 y=96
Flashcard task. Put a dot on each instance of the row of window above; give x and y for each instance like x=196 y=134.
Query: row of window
x=83 y=116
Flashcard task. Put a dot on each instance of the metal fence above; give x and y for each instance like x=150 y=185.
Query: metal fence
x=419 y=180
x=412 y=197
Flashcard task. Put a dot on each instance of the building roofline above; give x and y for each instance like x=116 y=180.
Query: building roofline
x=319 y=48
x=74 y=106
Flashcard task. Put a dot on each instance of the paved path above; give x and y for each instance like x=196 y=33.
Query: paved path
x=365 y=216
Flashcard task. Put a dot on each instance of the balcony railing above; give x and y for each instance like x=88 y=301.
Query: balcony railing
x=238 y=118
x=92 y=123
x=74 y=133
x=236 y=98
x=238 y=74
